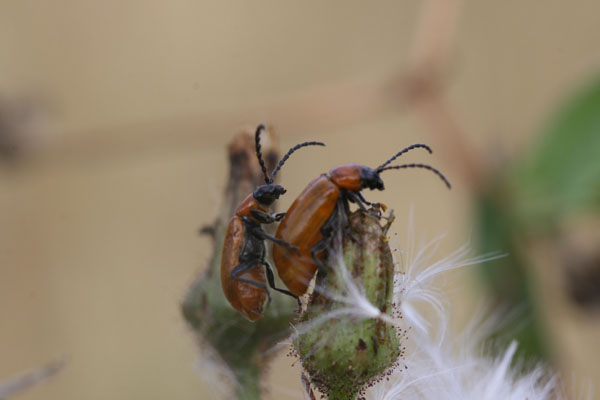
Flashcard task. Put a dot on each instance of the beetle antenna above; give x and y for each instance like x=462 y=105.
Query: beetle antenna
x=404 y=150
x=429 y=167
x=289 y=153
x=259 y=129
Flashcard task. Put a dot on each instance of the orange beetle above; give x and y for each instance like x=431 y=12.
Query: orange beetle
x=242 y=278
x=321 y=210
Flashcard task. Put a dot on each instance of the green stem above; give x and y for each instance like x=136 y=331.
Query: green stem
x=248 y=384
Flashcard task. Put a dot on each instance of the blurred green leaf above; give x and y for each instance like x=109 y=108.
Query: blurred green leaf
x=562 y=174
x=559 y=177
x=507 y=279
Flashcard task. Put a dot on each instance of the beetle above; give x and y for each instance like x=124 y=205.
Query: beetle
x=320 y=210
x=242 y=278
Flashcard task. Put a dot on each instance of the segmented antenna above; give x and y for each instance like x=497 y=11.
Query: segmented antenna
x=404 y=150
x=259 y=129
x=429 y=167
x=289 y=153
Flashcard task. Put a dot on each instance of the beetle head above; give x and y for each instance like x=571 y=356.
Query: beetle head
x=371 y=179
x=267 y=194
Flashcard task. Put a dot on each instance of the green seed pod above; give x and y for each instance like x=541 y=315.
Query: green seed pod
x=347 y=351
x=245 y=347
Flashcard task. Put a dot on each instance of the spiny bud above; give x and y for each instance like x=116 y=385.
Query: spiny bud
x=355 y=346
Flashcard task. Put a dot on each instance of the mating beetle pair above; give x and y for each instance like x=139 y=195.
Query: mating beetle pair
x=304 y=232
x=242 y=278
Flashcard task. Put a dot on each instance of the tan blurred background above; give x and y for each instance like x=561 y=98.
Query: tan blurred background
x=98 y=218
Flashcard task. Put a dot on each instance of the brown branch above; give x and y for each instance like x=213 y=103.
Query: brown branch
x=432 y=49
x=320 y=108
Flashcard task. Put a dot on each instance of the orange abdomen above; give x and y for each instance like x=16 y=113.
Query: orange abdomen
x=247 y=299
x=301 y=227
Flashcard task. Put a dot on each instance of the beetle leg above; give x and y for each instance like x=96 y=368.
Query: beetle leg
x=343 y=223
x=317 y=248
x=347 y=230
x=332 y=225
x=343 y=201
x=265 y=236
x=271 y=280
x=362 y=198
x=262 y=216
x=243 y=267
x=358 y=198
x=353 y=197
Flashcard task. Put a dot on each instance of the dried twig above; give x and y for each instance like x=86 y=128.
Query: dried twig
x=29 y=379
x=432 y=49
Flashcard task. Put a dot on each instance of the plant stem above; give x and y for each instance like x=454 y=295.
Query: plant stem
x=240 y=344
x=248 y=384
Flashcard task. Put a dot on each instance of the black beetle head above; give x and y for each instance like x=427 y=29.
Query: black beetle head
x=267 y=194
x=371 y=179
